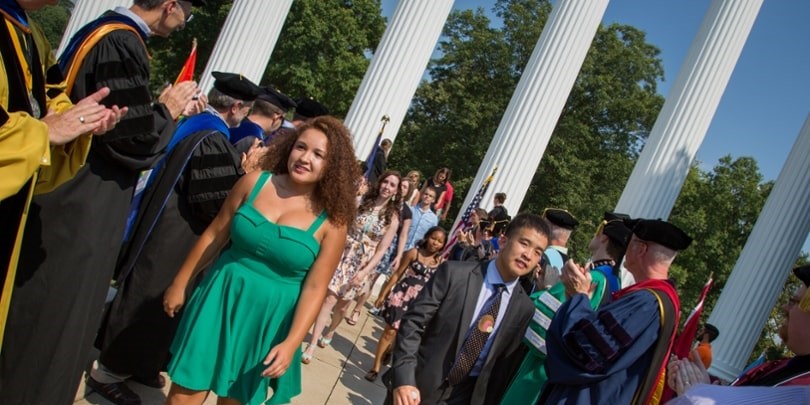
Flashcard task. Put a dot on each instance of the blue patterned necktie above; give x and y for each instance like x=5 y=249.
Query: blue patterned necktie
x=476 y=338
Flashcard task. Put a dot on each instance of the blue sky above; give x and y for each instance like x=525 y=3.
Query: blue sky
x=768 y=96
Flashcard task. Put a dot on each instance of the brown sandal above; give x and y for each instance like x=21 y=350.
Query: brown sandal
x=354 y=318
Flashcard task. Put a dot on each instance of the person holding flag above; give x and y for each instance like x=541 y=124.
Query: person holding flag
x=465 y=222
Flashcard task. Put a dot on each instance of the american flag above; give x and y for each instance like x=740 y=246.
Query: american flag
x=464 y=223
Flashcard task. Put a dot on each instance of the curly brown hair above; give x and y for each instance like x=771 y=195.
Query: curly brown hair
x=393 y=206
x=335 y=191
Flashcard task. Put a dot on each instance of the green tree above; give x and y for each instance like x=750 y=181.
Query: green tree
x=169 y=54
x=53 y=20
x=719 y=209
x=324 y=48
x=607 y=116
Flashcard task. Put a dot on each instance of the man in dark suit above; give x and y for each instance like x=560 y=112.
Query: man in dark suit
x=468 y=322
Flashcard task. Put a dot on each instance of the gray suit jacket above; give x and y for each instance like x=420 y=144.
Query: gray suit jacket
x=433 y=330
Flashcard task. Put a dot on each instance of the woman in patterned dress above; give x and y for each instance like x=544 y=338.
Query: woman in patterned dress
x=368 y=240
x=416 y=268
x=390 y=261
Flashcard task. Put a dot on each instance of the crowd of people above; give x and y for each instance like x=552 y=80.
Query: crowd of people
x=238 y=240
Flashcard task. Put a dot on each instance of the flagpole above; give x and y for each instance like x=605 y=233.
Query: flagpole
x=373 y=154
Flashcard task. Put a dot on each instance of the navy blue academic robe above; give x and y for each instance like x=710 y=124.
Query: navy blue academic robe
x=604 y=357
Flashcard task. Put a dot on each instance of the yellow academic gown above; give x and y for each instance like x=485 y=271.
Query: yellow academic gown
x=26 y=157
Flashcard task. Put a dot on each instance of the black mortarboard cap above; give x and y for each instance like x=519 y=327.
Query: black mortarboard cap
x=309 y=108
x=616 y=229
x=276 y=98
x=235 y=85
x=803 y=273
x=561 y=218
x=662 y=233
x=197 y=3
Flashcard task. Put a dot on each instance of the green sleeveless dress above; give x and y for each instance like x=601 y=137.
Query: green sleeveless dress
x=243 y=308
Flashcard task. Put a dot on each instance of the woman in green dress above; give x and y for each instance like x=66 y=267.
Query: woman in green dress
x=242 y=329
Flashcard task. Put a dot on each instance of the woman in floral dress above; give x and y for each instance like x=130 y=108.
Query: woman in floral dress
x=368 y=240
x=416 y=268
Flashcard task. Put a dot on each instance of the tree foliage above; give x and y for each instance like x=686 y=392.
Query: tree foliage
x=323 y=50
x=609 y=113
x=53 y=21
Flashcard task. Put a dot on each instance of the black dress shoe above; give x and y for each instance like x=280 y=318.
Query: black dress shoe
x=117 y=393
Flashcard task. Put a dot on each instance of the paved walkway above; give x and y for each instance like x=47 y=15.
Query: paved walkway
x=335 y=375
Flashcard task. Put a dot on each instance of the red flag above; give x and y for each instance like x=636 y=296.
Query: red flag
x=187 y=72
x=683 y=343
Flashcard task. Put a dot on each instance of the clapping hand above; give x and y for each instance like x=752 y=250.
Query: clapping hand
x=577 y=280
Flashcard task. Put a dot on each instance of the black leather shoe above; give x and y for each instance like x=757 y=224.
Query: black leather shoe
x=117 y=393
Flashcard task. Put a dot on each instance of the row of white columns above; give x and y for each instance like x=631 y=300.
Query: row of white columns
x=530 y=118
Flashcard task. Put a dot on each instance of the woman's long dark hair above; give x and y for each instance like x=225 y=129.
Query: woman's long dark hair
x=392 y=207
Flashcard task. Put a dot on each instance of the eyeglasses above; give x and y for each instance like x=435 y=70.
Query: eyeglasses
x=185 y=8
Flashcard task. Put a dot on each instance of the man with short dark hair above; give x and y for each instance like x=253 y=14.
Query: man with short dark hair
x=618 y=353
x=266 y=117
x=423 y=218
x=73 y=233
x=306 y=108
x=459 y=342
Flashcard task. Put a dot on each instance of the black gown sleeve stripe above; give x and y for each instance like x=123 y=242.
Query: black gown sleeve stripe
x=615 y=329
x=580 y=354
x=212 y=171
x=599 y=342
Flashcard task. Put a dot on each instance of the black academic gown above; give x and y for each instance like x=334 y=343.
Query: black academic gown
x=177 y=208
x=74 y=233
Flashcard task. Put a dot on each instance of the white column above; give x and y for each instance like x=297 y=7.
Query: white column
x=85 y=11
x=538 y=100
x=764 y=264
x=395 y=70
x=247 y=39
x=678 y=132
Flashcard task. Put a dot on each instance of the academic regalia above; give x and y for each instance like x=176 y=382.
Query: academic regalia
x=181 y=202
x=74 y=233
x=784 y=372
x=616 y=355
x=528 y=382
x=28 y=163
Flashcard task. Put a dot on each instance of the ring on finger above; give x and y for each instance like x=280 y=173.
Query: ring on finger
x=81 y=119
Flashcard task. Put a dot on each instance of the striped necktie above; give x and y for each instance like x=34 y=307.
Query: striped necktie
x=476 y=338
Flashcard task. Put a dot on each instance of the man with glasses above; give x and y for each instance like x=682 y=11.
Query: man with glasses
x=186 y=195
x=73 y=234
x=684 y=373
